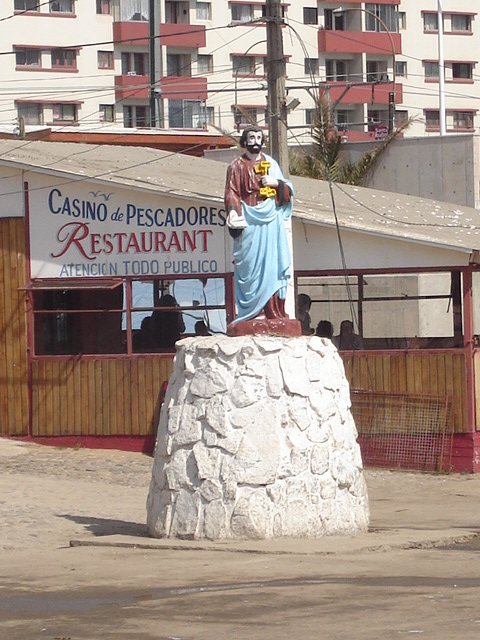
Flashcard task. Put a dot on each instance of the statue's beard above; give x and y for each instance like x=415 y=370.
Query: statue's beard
x=254 y=148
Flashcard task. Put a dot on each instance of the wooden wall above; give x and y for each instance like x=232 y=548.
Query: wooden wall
x=13 y=331
x=432 y=373
x=97 y=397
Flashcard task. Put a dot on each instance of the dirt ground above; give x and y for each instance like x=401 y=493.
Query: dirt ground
x=76 y=562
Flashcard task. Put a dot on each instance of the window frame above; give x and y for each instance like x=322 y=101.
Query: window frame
x=26 y=64
x=35 y=9
x=105 y=59
x=52 y=7
x=68 y=55
x=310 y=15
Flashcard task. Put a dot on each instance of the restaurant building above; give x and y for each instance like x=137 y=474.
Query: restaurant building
x=98 y=243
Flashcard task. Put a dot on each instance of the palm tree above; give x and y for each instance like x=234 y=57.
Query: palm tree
x=325 y=162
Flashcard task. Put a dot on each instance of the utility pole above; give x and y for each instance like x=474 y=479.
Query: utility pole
x=277 y=117
x=277 y=108
x=155 y=64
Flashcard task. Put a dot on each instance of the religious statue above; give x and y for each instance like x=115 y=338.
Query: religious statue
x=258 y=201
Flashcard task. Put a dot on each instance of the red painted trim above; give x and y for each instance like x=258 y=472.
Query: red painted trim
x=140 y=444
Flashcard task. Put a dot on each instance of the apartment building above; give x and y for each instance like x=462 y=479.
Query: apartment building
x=86 y=63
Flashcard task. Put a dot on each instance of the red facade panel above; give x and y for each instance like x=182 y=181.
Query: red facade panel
x=178 y=88
x=367 y=93
x=358 y=42
x=131 y=87
x=133 y=32
x=183 y=35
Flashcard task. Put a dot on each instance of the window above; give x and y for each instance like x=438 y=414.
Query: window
x=134 y=10
x=93 y=320
x=377 y=71
x=186 y=114
x=27 y=5
x=177 y=13
x=375 y=118
x=311 y=66
x=106 y=112
x=463 y=120
x=342 y=118
x=310 y=117
x=394 y=311
x=243 y=65
x=31 y=112
x=103 y=7
x=401 y=69
x=241 y=12
x=64 y=112
x=402 y=20
x=431 y=70
x=432 y=119
x=400 y=117
x=246 y=115
x=64 y=58
x=61 y=6
x=179 y=64
x=430 y=22
x=336 y=70
x=461 y=22
x=378 y=13
x=205 y=64
x=203 y=10
x=462 y=71
x=105 y=59
x=136 y=116
x=27 y=57
x=135 y=64
x=310 y=15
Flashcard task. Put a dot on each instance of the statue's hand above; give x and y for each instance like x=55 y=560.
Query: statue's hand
x=269 y=181
x=235 y=220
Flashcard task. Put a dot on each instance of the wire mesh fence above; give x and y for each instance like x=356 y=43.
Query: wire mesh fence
x=404 y=431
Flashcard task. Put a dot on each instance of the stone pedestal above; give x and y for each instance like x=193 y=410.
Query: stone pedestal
x=256 y=440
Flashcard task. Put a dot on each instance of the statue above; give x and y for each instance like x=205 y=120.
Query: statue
x=258 y=200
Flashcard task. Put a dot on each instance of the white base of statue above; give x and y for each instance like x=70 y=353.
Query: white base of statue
x=255 y=441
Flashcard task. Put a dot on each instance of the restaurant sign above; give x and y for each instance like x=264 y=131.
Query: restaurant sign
x=81 y=230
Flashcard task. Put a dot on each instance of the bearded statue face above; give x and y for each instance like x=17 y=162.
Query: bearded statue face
x=254 y=142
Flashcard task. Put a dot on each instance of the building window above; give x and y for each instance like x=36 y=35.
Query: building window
x=432 y=119
x=186 y=114
x=134 y=10
x=376 y=71
x=27 y=57
x=402 y=20
x=61 y=6
x=105 y=59
x=64 y=59
x=64 y=112
x=310 y=117
x=310 y=15
x=245 y=115
x=243 y=65
x=241 y=12
x=400 y=117
x=93 y=320
x=106 y=112
x=336 y=70
x=462 y=71
x=430 y=22
x=179 y=64
x=401 y=69
x=311 y=66
x=27 y=5
x=103 y=7
x=203 y=10
x=381 y=13
x=342 y=118
x=461 y=22
x=463 y=120
x=431 y=70
x=136 y=116
x=177 y=12
x=134 y=64
x=375 y=118
x=31 y=112
x=204 y=64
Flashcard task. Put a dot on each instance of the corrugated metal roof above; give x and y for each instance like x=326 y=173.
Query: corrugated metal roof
x=357 y=208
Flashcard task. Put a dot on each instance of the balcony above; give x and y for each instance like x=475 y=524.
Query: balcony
x=171 y=35
x=358 y=42
x=179 y=88
x=361 y=94
x=130 y=86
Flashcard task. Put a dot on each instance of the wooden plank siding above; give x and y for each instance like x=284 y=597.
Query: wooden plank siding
x=104 y=397
x=435 y=373
x=14 y=414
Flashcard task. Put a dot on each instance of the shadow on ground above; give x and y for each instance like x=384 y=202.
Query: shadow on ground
x=108 y=527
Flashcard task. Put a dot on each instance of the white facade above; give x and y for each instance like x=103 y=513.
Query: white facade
x=62 y=67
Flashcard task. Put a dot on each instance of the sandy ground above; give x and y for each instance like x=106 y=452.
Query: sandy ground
x=76 y=562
